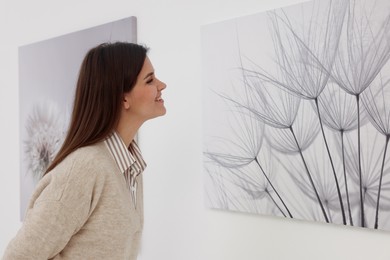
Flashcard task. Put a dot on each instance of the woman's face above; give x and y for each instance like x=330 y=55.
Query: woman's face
x=144 y=100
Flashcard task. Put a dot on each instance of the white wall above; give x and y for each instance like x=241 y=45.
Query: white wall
x=178 y=227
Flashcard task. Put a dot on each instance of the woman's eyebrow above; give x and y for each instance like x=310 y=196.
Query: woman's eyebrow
x=149 y=74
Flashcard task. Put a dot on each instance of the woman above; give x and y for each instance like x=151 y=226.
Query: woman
x=89 y=204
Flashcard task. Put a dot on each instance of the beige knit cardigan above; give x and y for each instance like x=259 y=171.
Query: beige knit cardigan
x=81 y=210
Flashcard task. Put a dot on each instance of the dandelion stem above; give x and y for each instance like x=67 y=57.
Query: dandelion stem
x=331 y=162
x=380 y=183
x=309 y=175
x=276 y=204
x=270 y=183
x=360 y=165
x=345 y=178
x=328 y=210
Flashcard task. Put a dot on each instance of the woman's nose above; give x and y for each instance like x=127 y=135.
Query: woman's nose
x=161 y=85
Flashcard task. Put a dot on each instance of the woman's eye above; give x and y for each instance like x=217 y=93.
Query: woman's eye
x=149 y=81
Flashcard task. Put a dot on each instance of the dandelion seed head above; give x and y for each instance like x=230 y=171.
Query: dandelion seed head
x=45 y=131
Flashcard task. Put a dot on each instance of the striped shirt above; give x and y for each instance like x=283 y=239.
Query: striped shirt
x=129 y=160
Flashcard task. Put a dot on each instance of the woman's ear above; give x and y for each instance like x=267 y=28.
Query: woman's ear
x=126 y=101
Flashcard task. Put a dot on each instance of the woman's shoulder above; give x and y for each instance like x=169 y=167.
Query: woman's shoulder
x=84 y=168
x=89 y=161
x=89 y=153
x=94 y=156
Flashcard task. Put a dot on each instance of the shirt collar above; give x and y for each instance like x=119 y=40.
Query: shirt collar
x=124 y=157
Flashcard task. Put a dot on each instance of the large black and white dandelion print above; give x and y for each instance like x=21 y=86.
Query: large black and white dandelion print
x=48 y=72
x=297 y=113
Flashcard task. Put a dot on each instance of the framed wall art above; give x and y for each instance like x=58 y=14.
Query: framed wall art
x=296 y=111
x=48 y=72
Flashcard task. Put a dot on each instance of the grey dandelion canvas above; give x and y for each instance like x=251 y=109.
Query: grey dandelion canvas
x=48 y=73
x=296 y=113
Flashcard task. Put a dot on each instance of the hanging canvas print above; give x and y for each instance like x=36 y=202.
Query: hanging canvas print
x=297 y=113
x=48 y=71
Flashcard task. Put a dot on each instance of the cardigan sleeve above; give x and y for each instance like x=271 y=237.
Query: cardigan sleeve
x=46 y=230
x=60 y=205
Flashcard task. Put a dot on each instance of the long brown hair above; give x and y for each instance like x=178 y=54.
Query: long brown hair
x=107 y=72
